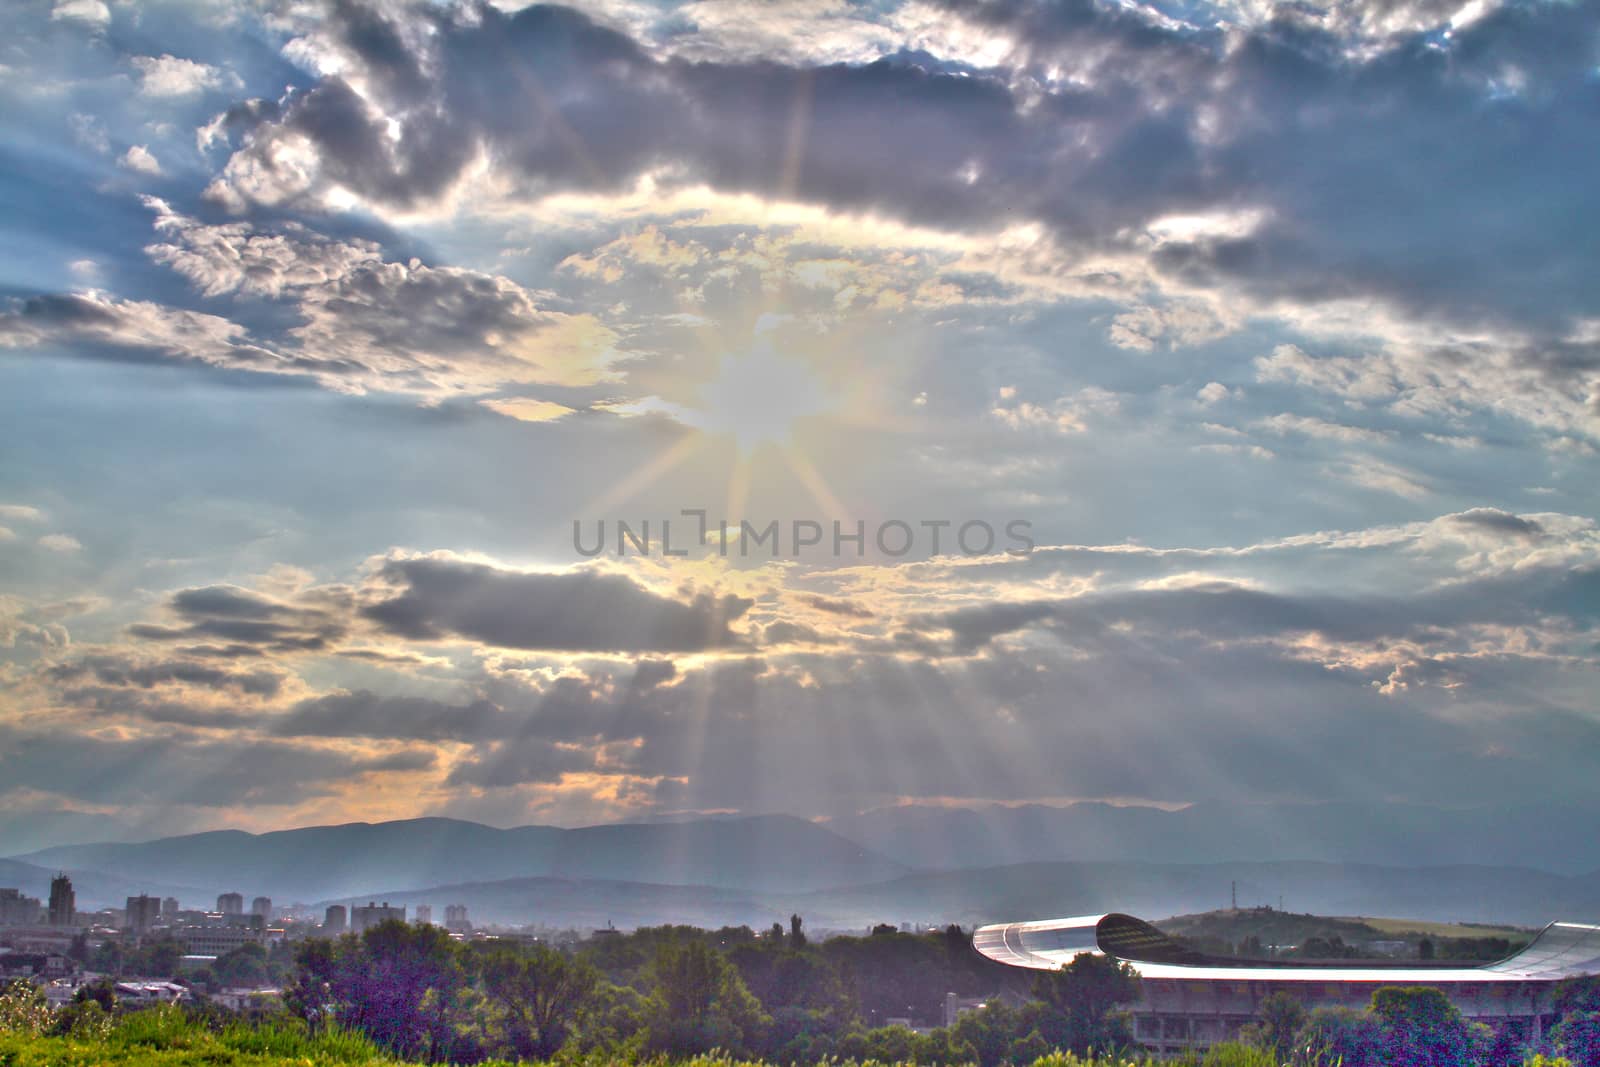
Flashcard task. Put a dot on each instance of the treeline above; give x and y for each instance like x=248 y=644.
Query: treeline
x=675 y=992
x=1419 y=1027
x=671 y=994
x=248 y=965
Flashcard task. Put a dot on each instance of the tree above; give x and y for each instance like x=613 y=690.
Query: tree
x=397 y=982
x=1421 y=1028
x=1280 y=1018
x=244 y=966
x=991 y=1031
x=1577 y=995
x=700 y=1003
x=1343 y=1036
x=1086 y=994
x=102 y=992
x=1424 y=949
x=543 y=992
x=163 y=958
x=797 y=939
x=1577 y=1038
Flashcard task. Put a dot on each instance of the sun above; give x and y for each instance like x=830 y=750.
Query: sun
x=758 y=396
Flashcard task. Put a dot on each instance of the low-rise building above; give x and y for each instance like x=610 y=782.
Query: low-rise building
x=147 y=992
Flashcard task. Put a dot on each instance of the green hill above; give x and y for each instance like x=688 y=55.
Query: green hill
x=1266 y=931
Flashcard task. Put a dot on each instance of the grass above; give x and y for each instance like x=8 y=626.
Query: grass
x=164 y=1037
x=1438 y=929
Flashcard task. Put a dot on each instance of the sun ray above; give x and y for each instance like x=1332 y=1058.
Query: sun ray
x=812 y=479
x=624 y=490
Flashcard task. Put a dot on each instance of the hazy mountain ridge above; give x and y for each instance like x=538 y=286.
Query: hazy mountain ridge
x=760 y=852
x=1504 y=895
x=1543 y=837
x=1152 y=890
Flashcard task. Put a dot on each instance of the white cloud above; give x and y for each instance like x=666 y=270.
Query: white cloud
x=94 y=12
x=1311 y=426
x=58 y=542
x=1383 y=477
x=139 y=158
x=169 y=75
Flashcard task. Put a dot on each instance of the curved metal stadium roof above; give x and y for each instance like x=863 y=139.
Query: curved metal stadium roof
x=1561 y=950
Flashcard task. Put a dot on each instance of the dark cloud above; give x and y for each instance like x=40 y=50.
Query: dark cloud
x=1224 y=612
x=837 y=607
x=653 y=672
x=177 y=771
x=785 y=632
x=1493 y=520
x=121 y=671
x=243 y=618
x=584 y=611
x=1160 y=121
x=523 y=761
x=366 y=714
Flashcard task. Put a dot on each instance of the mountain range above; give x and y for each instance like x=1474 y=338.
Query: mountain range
x=1042 y=890
x=1544 y=837
x=900 y=864
x=760 y=852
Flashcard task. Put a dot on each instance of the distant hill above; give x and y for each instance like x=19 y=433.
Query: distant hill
x=763 y=852
x=1154 y=890
x=1213 y=931
x=1037 y=891
x=1541 y=837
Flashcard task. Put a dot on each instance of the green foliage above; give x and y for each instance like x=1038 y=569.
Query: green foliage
x=1578 y=995
x=23 y=1009
x=244 y=967
x=1541 y=1060
x=898 y=1044
x=1421 y=1028
x=1577 y=1038
x=1280 y=1018
x=171 y=1037
x=1085 y=994
x=1341 y=1036
x=166 y=1026
x=103 y=992
x=1236 y=1054
x=542 y=993
x=1332 y=947
x=84 y=1020
x=398 y=983
x=896 y=975
x=700 y=1003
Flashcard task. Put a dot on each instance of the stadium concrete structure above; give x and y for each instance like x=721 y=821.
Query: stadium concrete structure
x=1190 y=1000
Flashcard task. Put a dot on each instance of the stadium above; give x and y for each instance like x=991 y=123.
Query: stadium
x=1190 y=1000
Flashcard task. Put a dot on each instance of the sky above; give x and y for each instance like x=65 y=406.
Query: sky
x=1168 y=402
